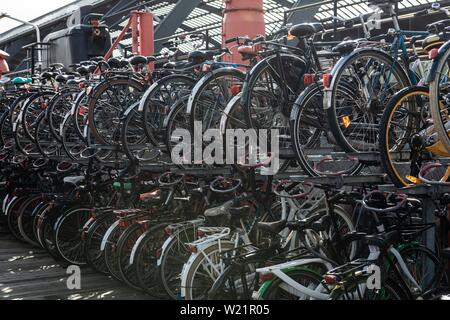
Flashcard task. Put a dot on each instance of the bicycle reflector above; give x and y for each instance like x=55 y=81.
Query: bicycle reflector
x=330 y=279
x=327 y=80
x=206 y=67
x=265 y=276
x=413 y=179
x=201 y=233
x=168 y=230
x=290 y=36
x=346 y=121
x=308 y=79
x=433 y=54
x=236 y=89
x=192 y=248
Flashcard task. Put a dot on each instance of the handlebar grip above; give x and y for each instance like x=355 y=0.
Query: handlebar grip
x=231 y=40
x=421 y=13
x=329 y=19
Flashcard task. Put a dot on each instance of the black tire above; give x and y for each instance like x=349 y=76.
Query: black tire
x=94 y=235
x=13 y=216
x=106 y=105
x=211 y=95
x=304 y=276
x=310 y=132
x=59 y=106
x=377 y=108
x=145 y=257
x=25 y=220
x=413 y=117
x=157 y=101
x=68 y=235
x=125 y=247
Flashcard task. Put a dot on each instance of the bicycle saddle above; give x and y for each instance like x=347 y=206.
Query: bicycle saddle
x=3 y=54
x=83 y=70
x=4 y=80
x=75 y=181
x=272 y=227
x=47 y=75
x=303 y=224
x=432 y=42
x=63 y=78
x=345 y=47
x=20 y=80
x=174 y=65
x=75 y=81
x=384 y=240
x=248 y=50
x=224 y=209
x=137 y=60
x=306 y=29
x=200 y=56
x=114 y=63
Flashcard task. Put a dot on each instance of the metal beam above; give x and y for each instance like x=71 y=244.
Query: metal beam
x=305 y=15
x=174 y=20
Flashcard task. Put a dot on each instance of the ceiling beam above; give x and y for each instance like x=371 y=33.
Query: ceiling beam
x=173 y=20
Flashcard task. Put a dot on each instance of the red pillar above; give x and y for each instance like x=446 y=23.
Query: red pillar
x=4 y=68
x=134 y=32
x=146 y=35
x=242 y=18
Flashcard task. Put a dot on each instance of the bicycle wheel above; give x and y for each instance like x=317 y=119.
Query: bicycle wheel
x=202 y=270
x=135 y=143
x=144 y=264
x=439 y=90
x=423 y=265
x=125 y=246
x=361 y=87
x=106 y=105
x=25 y=220
x=13 y=216
x=177 y=119
x=157 y=100
x=59 y=106
x=45 y=142
x=110 y=251
x=68 y=235
x=80 y=113
x=406 y=136
x=35 y=105
x=311 y=139
x=94 y=235
x=71 y=142
x=211 y=95
x=277 y=289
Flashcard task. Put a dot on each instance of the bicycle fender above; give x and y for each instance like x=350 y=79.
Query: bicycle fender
x=344 y=60
x=434 y=65
x=206 y=78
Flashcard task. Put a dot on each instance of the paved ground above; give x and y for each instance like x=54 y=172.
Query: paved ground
x=30 y=273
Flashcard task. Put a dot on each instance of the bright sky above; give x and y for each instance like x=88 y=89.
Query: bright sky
x=27 y=10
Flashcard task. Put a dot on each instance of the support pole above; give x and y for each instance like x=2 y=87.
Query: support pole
x=242 y=18
x=146 y=35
